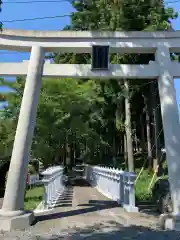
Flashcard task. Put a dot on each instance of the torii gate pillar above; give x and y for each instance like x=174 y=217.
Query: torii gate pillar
x=171 y=126
x=12 y=212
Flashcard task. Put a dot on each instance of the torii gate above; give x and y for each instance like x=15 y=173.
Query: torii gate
x=12 y=214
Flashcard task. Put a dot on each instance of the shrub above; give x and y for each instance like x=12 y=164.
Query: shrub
x=141 y=188
x=31 y=169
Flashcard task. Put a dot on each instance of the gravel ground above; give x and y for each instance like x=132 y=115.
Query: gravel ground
x=107 y=230
x=85 y=214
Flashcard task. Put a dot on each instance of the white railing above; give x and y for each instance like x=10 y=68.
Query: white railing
x=53 y=185
x=114 y=184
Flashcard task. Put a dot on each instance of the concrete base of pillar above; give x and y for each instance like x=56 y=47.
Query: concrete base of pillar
x=132 y=209
x=169 y=222
x=20 y=222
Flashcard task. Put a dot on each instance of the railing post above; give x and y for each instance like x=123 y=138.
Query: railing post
x=129 y=192
x=45 y=197
x=121 y=187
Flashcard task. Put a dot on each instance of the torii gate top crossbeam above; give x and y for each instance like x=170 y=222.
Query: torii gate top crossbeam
x=82 y=41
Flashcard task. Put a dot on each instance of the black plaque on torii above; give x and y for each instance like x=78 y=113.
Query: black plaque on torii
x=100 y=57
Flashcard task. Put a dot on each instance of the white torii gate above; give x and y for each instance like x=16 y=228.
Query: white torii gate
x=12 y=214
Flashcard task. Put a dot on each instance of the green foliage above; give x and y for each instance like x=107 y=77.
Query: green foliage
x=9 y=114
x=121 y=15
x=31 y=169
x=7 y=132
x=141 y=188
x=64 y=112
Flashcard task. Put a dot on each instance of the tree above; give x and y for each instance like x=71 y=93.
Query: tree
x=64 y=112
x=9 y=114
x=113 y=15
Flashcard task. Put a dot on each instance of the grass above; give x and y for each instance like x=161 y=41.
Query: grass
x=142 y=185
x=33 y=197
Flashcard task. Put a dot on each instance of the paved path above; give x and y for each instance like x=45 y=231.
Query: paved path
x=83 y=213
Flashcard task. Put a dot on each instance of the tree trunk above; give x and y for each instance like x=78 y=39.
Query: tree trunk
x=57 y=158
x=142 y=141
x=68 y=158
x=72 y=155
x=156 y=129
x=155 y=160
x=125 y=151
x=136 y=142
x=114 y=150
x=121 y=147
x=148 y=132
x=78 y=151
x=128 y=128
x=64 y=154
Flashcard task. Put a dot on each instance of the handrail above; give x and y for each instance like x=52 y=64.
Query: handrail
x=115 y=184
x=53 y=185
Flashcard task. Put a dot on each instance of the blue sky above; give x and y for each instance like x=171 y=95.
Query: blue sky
x=13 y=11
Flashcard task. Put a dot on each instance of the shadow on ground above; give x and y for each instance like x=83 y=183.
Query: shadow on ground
x=78 y=182
x=66 y=199
x=147 y=207
x=110 y=231
x=92 y=206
